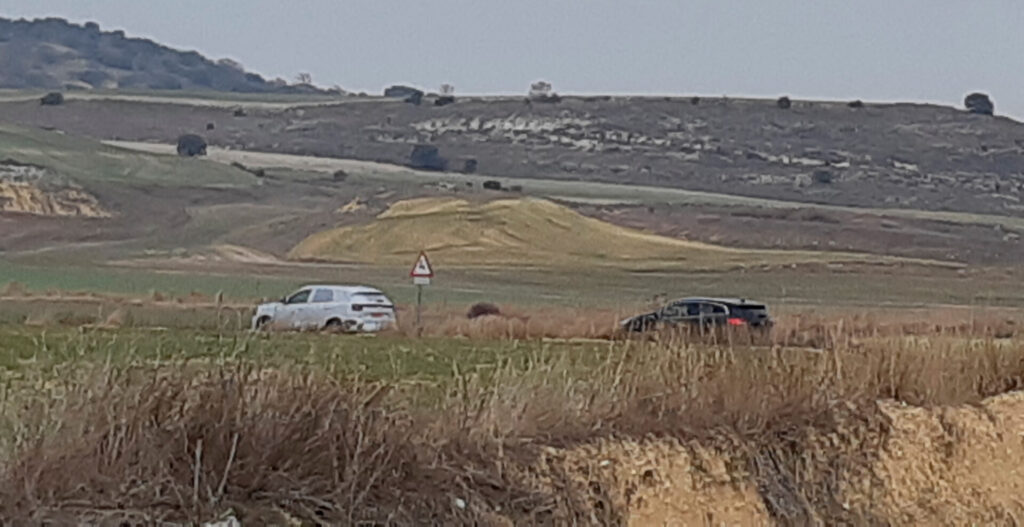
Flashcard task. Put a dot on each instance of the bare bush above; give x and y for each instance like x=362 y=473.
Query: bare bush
x=481 y=309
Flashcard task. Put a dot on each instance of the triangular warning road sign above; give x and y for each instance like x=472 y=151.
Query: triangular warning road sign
x=422 y=268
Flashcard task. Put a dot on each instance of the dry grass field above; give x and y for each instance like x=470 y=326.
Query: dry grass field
x=867 y=425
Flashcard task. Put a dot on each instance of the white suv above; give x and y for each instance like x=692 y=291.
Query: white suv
x=335 y=307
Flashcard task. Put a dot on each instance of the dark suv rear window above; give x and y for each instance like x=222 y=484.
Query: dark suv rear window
x=749 y=311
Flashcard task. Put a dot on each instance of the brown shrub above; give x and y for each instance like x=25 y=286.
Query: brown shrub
x=480 y=309
x=120 y=317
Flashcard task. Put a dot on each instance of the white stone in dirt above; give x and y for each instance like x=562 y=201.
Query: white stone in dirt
x=230 y=521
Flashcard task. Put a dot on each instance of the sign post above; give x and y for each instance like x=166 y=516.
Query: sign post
x=421 y=274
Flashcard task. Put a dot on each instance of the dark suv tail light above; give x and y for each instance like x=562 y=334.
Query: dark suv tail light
x=734 y=321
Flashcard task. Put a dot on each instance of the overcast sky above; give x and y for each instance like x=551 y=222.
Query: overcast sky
x=877 y=50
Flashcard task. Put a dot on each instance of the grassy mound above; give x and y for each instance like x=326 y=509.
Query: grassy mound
x=525 y=232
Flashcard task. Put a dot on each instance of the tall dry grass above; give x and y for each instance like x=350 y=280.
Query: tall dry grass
x=147 y=443
x=801 y=327
x=517 y=323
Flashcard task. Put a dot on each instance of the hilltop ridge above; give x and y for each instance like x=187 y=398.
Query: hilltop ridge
x=52 y=53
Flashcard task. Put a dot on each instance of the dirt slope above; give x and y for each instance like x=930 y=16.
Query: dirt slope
x=524 y=232
x=925 y=466
x=27 y=189
x=953 y=466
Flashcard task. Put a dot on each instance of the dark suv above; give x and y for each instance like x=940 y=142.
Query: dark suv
x=704 y=313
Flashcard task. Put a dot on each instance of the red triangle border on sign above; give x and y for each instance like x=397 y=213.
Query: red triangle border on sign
x=430 y=268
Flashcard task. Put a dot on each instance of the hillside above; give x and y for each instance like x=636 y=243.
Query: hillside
x=152 y=199
x=86 y=162
x=910 y=180
x=54 y=54
x=889 y=156
x=526 y=232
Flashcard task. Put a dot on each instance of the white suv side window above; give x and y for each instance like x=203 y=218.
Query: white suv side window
x=298 y=298
x=322 y=296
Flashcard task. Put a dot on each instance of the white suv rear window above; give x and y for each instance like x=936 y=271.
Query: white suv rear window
x=323 y=295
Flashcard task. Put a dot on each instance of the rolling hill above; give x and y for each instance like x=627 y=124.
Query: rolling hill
x=54 y=54
x=527 y=233
x=909 y=180
x=86 y=162
x=900 y=156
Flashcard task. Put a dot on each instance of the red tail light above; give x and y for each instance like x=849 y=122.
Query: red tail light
x=736 y=321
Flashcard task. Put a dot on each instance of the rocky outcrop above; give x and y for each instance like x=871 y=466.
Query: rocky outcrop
x=26 y=189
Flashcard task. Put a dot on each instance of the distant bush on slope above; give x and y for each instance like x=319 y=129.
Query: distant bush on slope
x=427 y=157
x=53 y=98
x=190 y=145
x=979 y=103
